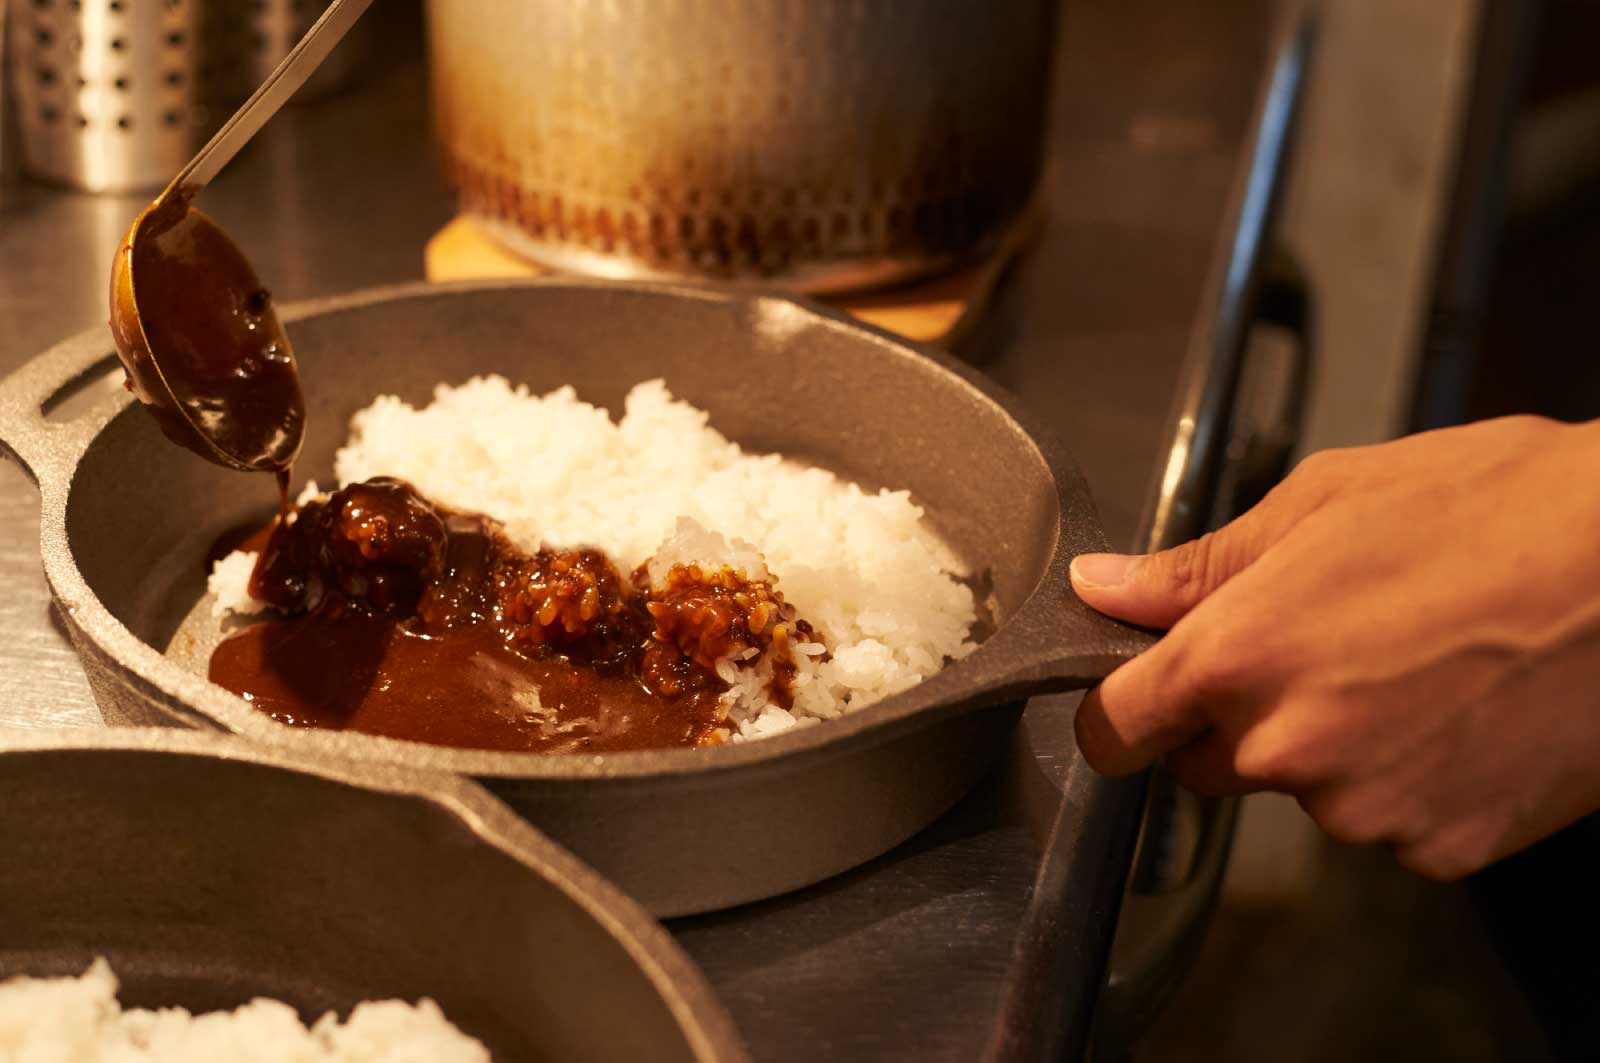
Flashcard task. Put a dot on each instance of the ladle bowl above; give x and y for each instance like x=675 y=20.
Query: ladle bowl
x=194 y=328
x=224 y=383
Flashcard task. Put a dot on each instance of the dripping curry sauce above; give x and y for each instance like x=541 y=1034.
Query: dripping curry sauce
x=396 y=616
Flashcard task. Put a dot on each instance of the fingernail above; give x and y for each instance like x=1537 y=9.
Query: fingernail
x=1102 y=570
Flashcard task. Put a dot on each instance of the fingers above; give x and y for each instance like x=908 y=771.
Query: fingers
x=1214 y=658
x=1452 y=853
x=1208 y=766
x=1139 y=712
x=1214 y=669
x=1158 y=590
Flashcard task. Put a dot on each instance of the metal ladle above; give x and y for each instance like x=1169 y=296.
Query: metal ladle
x=195 y=330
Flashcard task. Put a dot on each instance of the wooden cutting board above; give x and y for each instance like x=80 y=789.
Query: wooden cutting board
x=938 y=311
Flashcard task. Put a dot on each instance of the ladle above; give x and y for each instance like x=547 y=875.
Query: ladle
x=194 y=328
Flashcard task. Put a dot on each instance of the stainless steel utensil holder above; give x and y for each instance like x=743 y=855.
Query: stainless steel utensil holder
x=115 y=95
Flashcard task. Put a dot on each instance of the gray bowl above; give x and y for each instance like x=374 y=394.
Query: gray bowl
x=209 y=871
x=126 y=521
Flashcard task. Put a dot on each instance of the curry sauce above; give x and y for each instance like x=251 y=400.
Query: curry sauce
x=399 y=617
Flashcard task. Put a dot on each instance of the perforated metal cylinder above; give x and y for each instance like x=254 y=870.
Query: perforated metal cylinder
x=823 y=144
x=115 y=95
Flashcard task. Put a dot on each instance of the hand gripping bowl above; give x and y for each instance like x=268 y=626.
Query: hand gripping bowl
x=127 y=520
x=210 y=871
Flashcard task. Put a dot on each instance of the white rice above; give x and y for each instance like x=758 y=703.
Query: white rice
x=882 y=589
x=230 y=583
x=78 y=1020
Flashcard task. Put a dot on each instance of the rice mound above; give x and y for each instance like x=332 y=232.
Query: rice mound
x=78 y=1020
x=661 y=485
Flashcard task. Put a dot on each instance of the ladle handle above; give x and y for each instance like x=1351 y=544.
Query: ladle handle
x=301 y=62
x=46 y=449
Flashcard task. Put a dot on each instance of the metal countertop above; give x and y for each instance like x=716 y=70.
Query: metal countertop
x=1155 y=114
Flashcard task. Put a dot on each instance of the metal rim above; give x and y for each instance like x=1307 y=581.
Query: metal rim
x=704 y=1022
x=959 y=686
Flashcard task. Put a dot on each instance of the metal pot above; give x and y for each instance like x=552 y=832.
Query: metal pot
x=209 y=872
x=821 y=144
x=127 y=521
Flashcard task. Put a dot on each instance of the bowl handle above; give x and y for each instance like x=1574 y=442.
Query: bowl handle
x=1057 y=643
x=47 y=449
x=1095 y=647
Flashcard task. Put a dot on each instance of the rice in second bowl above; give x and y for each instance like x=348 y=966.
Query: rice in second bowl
x=661 y=486
x=79 y=1020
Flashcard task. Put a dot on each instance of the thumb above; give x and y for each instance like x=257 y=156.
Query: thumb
x=1156 y=590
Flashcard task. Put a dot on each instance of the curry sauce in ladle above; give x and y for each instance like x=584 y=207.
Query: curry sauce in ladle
x=201 y=343
x=194 y=327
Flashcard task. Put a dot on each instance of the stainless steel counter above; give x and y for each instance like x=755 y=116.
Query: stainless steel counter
x=945 y=946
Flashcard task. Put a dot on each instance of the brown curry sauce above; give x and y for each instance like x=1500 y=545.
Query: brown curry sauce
x=402 y=618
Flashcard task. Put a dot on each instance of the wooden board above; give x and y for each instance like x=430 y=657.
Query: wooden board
x=936 y=311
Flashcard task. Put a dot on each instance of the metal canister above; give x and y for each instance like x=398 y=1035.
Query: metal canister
x=821 y=144
x=116 y=95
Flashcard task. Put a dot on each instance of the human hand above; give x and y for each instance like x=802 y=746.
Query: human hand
x=1406 y=637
